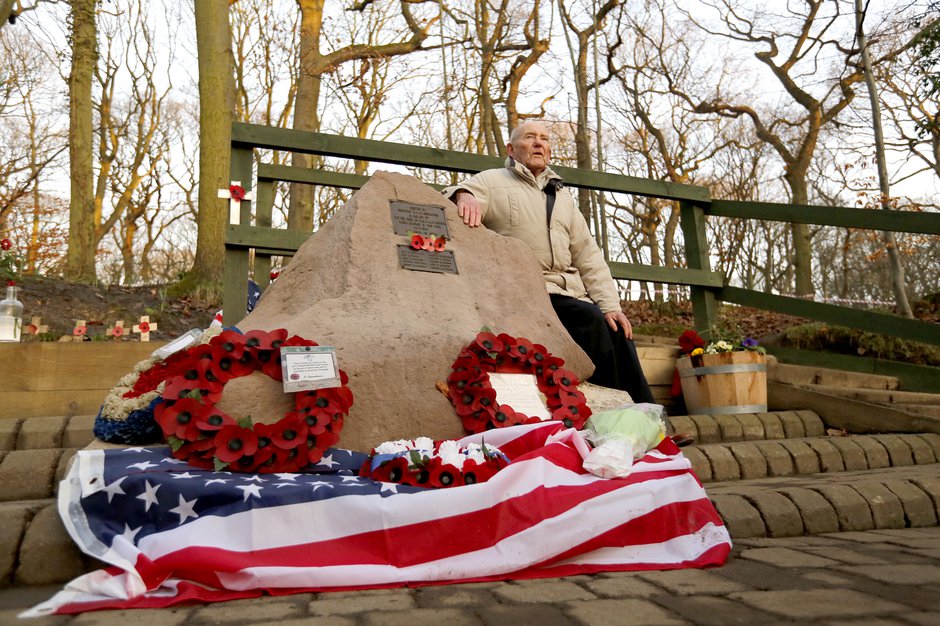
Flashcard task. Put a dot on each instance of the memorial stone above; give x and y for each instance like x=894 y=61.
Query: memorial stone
x=397 y=331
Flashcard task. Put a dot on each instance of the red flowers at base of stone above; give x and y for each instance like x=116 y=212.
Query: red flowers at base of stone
x=435 y=465
x=206 y=437
x=472 y=395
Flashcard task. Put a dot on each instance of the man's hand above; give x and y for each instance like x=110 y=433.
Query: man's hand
x=617 y=317
x=468 y=208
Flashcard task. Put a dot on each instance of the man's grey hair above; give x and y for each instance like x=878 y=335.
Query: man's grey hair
x=517 y=131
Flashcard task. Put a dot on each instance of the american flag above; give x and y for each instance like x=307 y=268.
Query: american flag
x=172 y=533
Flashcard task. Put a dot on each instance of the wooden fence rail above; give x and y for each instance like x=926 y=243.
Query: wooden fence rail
x=707 y=287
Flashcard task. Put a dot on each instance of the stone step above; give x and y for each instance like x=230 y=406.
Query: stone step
x=34 y=433
x=898 y=497
x=35 y=548
x=878 y=396
x=749 y=426
x=809 y=375
x=925 y=410
x=32 y=474
x=721 y=462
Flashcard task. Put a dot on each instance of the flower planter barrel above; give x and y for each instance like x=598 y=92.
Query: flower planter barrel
x=724 y=383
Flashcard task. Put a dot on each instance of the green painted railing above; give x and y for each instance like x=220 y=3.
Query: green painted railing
x=706 y=286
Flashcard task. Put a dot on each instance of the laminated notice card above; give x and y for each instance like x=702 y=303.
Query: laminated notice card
x=521 y=392
x=309 y=367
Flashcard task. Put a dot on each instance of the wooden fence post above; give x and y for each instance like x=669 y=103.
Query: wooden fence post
x=692 y=220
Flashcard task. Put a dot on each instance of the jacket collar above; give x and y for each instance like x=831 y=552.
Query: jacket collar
x=525 y=174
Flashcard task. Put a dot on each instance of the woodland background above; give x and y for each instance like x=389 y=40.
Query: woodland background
x=102 y=150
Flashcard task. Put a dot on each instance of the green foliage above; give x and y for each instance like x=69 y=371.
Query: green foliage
x=842 y=340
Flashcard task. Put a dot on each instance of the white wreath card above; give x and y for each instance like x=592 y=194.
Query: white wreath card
x=521 y=392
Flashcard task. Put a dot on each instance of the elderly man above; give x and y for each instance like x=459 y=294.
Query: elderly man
x=526 y=200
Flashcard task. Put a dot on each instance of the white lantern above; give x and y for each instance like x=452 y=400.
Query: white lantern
x=11 y=316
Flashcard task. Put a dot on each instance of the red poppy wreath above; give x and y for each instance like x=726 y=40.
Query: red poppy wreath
x=209 y=438
x=470 y=391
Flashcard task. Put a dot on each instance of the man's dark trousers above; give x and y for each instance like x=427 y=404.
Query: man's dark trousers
x=616 y=364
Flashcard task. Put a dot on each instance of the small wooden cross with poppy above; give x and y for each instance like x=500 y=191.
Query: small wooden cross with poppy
x=36 y=327
x=78 y=333
x=235 y=194
x=117 y=331
x=144 y=328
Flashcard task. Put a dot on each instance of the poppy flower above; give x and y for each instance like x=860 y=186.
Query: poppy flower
x=236 y=192
x=289 y=432
x=689 y=340
x=144 y=327
x=79 y=331
x=271 y=364
x=505 y=416
x=571 y=416
x=296 y=340
x=264 y=340
x=521 y=350
x=482 y=472
x=247 y=463
x=417 y=242
x=210 y=419
x=234 y=442
x=446 y=475
x=117 y=331
x=537 y=354
x=314 y=448
x=395 y=471
x=231 y=366
x=230 y=342
x=440 y=243
x=178 y=418
x=508 y=341
x=328 y=439
x=466 y=378
x=565 y=379
x=488 y=342
x=5 y=244
x=484 y=400
x=547 y=367
x=197 y=453
x=273 y=276
x=178 y=387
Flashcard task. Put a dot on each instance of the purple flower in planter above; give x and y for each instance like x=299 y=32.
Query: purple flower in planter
x=749 y=342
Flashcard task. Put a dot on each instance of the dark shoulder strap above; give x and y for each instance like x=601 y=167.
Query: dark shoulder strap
x=550 y=190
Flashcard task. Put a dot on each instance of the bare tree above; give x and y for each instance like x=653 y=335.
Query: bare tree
x=80 y=264
x=894 y=259
x=216 y=99
x=580 y=53
x=314 y=64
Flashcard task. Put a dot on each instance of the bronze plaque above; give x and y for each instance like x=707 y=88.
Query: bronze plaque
x=423 y=219
x=442 y=262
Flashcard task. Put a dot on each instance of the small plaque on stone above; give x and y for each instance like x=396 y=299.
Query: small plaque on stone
x=309 y=367
x=424 y=219
x=426 y=261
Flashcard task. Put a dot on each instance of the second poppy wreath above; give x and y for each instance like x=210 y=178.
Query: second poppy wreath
x=476 y=401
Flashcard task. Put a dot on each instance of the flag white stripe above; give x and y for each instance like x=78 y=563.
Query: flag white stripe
x=264 y=528
x=535 y=544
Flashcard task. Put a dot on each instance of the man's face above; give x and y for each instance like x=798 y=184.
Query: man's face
x=531 y=148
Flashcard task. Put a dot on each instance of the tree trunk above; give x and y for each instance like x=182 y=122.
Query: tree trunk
x=894 y=260
x=802 y=242
x=80 y=260
x=306 y=113
x=216 y=101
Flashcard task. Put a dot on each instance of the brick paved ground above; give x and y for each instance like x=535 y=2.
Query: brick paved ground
x=875 y=577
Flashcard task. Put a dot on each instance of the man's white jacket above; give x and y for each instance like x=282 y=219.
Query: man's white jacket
x=512 y=201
